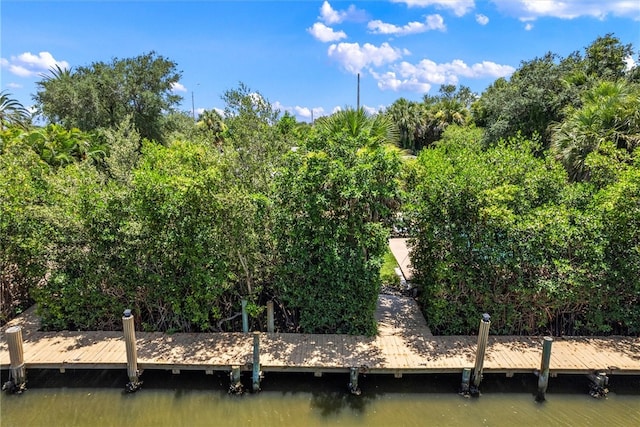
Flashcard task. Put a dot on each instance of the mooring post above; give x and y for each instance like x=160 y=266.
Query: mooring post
x=245 y=317
x=270 y=323
x=466 y=380
x=256 y=361
x=236 y=385
x=128 y=327
x=483 y=335
x=543 y=375
x=17 y=371
x=353 y=381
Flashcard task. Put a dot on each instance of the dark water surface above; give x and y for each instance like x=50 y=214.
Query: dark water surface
x=96 y=398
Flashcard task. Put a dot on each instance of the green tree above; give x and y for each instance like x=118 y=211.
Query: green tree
x=24 y=194
x=336 y=197
x=609 y=114
x=103 y=94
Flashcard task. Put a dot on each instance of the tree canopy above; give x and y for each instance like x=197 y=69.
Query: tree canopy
x=103 y=94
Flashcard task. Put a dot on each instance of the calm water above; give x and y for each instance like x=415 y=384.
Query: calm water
x=82 y=398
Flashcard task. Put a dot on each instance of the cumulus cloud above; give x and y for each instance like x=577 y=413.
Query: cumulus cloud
x=28 y=64
x=306 y=113
x=178 y=87
x=325 y=34
x=19 y=86
x=529 y=10
x=528 y=26
x=419 y=77
x=354 y=57
x=458 y=7
x=331 y=16
x=391 y=81
x=482 y=19
x=629 y=63
x=431 y=22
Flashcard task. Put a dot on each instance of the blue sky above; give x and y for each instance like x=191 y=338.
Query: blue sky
x=304 y=56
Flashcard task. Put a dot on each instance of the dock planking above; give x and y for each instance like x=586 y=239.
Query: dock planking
x=404 y=345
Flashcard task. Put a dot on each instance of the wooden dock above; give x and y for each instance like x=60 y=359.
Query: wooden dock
x=404 y=345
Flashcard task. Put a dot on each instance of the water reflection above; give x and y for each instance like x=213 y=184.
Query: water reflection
x=96 y=398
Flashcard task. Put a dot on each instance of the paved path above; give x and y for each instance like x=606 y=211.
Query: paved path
x=400 y=251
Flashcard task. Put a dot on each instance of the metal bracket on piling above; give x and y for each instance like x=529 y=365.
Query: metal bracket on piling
x=599 y=383
x=353 y=381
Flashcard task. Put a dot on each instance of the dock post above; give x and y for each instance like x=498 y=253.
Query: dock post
x=543 y=375
x=466 y=380
x=256 y=361
x=17 y=372
x=236 y=385
x=353 y=381
x=270 y=323
x=599 y=383
x=128 y=327
x=245 y=317
x=483 y=335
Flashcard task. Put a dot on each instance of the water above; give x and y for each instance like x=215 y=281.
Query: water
x=86 y=398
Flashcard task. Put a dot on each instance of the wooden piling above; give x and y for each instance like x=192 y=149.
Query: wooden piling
x=236 y=384
x=483 y=336
x=17 y=369
x=466 y=380
x=353 y=381
x=128 y=327
x=270 y=321
x=245 y=317
x=543 y=376
x=256 y=361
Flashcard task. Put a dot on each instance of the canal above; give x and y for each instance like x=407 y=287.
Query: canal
x=96 y=398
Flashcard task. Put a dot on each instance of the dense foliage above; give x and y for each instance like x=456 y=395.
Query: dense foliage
x=523 y=202
x=335 y=200
x=500 y=230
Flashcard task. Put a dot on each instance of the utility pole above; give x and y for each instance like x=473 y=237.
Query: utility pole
x=193 y=107
x=358 y=92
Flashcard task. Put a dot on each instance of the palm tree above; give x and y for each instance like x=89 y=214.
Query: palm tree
x=211 y=121
x=379 y=128
x=12 y=113
x=609 y=113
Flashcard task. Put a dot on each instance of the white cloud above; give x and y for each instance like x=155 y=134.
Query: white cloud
x=432 y=22
x=390 y=81
x=354 y=57
x=301 y=112
x=29 y=65
x=19 y=86
x=331 y=16
x=178 y=87
x=325 y=34
x=336 y=109
x=528 y=26
x=629 y=63
x=372 y=110
x=482 y=19
x=419 y=77
x=459 y=7
x=529 y=10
